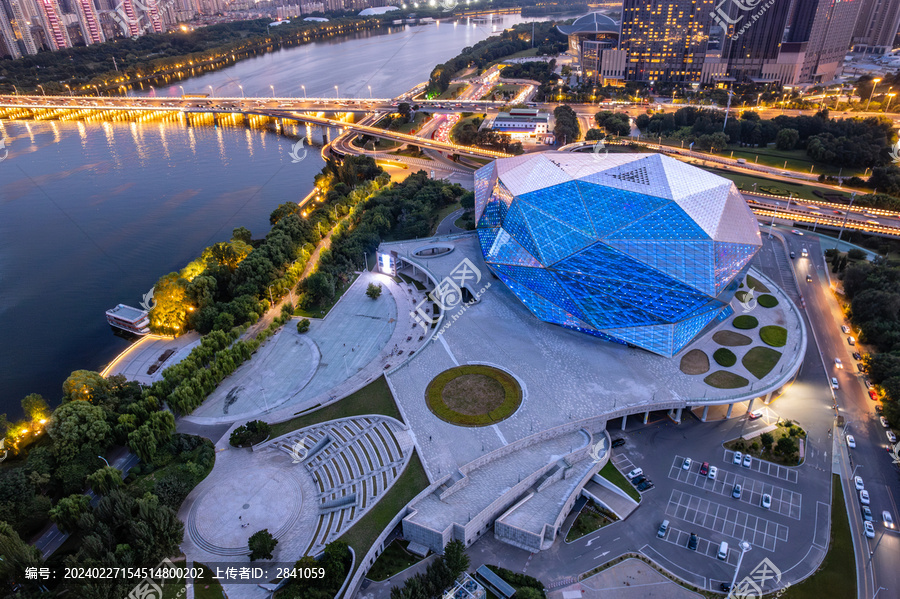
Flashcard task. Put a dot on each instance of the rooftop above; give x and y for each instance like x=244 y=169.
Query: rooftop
x=590 y=23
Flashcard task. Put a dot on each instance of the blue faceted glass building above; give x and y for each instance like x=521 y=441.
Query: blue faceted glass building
x=634 y=248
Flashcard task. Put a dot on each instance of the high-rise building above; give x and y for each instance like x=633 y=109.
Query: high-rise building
x=665 y=41
x=22 y=25
x=7 y=34
x=130 y=19
x=594 y=41
x=876 y=26
x=90 y=23
x=753 y=40
x=54 y=24
x=819 y=38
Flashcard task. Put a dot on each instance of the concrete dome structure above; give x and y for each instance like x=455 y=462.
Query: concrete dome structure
x=635 y=248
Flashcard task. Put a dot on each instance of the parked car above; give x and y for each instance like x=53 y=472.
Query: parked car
x=858 y=481
x=861 y=367
x=863 y=497
x=686 y=464
x=884 y=422
x=755 y=414
x=867 y=514
x=887 y=519
x=851 y=340
x=736 y=492
x=870 y=530
x=634 y=473
x=845 y=329
x=692 y=542
x=856 y=356
x=851 y=442
x=891 y=436
x=725 y=587
x=618 y=442
x=644 y=486
x=737 y=458
x=663 y=529
x=638 y=480
x=712 y=472
x=766 y=500
x=704 y=468
x=747 y=461
x=878 y=409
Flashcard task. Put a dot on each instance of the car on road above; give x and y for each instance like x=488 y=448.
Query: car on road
x=884 y=422
x=867 y=514
x=747 y=461
x=858 y=481
x=766 y=501
x=736 y=492
x=857 y=356
x=796 y=232
x=804 y=253
x=638 y=480
x=870 y=530
x=863 y=497
x=725 y=587
x=851 y=340
x=834 y=383
x=644 y=486
x=845 y=329
x=663 y=529
x=634 y=473
x=809 y=278
x=891 y=436
x=755 y=414
x=872 y=394
x=704 y=468
x=692 y=542
x=861 y=367
x=686 y=464
x=737 y=458
x=851 y=442
x=712 y=473
x=837 y=212
x=793 y=255
x=887 y=519
x=618 y=442
x=838 y=363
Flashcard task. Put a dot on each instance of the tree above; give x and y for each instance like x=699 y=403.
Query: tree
x=67 y=511
x=17 y=555
x=787 y=139
x=241 y=234
x=467 y=201
x=303 y=325
x=261 y=545
x=767 y=440
x=529 y=593
x=36 y=408
x=105 y=480
x=320 y=287
x=77 y=426
x=373 y=291
x=786 y=446
x=456 y=558
x=84 y=385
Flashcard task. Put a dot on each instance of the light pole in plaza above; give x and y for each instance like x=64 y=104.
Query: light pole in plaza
x=745 y=547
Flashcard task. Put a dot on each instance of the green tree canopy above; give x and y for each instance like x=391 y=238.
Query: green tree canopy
x=261 y=545
x=77 y=426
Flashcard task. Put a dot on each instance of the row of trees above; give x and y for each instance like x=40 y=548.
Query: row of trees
x=438 y=577
x=566 y=127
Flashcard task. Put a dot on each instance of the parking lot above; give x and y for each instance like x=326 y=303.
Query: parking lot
x=726 y=520
x=784 y=501
x=768 y=468
x=704 y=546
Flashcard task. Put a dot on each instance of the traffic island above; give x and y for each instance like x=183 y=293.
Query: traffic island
x=473 y=395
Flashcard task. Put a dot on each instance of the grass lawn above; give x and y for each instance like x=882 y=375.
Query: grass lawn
x=760 y=361
x=768 y=301
x=504 y=88
x=145 y=483
x=393 y=560
x=756 y=284
x=745 y=183
x=444 y=213
x=836 y=576
x=362 y=534
x=695 y=362
x=612 y=474
x=522 y=54
x=731 y=339
x=724 y=357
x=319 y=311
x=463 y=121
x=465 y=220
x=745 y=321
x=473 y=395
x=770 y=456
x=722 y=379
x=773 y=335
x=374 y=398
x=205 y=587
x=591 y=517
x=452 y=91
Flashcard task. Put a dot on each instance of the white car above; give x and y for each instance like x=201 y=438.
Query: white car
x=858 y=481
x=884 y=422
x=766 y=500
x=737 y=458
x=888 y=520
x=747 y=460
x=870 y=529
x=834 y=383
x=712 y=472
x=891 y=436
x=845 y=329
x=686 y=464
x=864 y=497
x=634 y=473
x=851 y=442
x=838 y=363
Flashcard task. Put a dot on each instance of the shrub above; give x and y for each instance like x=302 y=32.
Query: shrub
x=249 y=434
x=303 y=325
x=745 y=321
x=768 y=301
x=724 y=357
x=373 y=291
x=773 y=335
x=856 y=254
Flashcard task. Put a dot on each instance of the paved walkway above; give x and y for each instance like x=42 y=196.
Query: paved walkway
x=631 y=579
x=447 y=226
x=135 y=362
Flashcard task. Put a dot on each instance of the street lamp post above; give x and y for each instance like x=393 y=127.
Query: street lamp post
x=890 y=98
x=337 y=93
x=68 y=88
x=872 y=93
x=758 y=98
x=370 y=91
x=304 y=91
x=212 y=93
x=42 y=89
x=241 y=87
x=272 y=87
x=182 y=90
x=775 y=213
x=745 y=547
x=846 y=216
x=270 y=296
x=104 y=459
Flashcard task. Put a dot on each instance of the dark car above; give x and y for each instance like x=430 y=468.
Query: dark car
x=645 y=485
x=856 y=356
x=809 y=278
x=861 y=367
x=878 y=409
x=704 y=468
x=618 y=442
x=692 y=542
x=638 y=480
x=725 y=586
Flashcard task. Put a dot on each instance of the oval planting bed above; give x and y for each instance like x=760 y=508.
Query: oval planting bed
x=722 y=379
x=773 y=335
x=473 y=395
x=695 y=362
x=731 y=339
x=768 y=301
x=760 y=361
x=724 y=357
x=745 y=321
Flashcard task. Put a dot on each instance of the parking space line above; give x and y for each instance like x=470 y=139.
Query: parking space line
x=704 y=546
x=765 y=467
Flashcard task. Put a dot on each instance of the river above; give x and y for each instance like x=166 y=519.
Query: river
x=92 y=214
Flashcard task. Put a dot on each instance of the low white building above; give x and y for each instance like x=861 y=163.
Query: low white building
x=522 y=123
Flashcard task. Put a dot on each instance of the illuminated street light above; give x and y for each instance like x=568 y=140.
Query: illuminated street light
x=370 y=92
x=212 y=93
x=337 y=94
x=890 y=97
x=42 y=89
x=874 y=85
x=182 y=90
x=304 y=91
x=272 y=87
x=242 y=91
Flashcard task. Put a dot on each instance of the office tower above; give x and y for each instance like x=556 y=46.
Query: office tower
x=90 y=23
x=22 y=24
x=154 y=18
x=7 y=33
x=876 y=26
x=819 y=38
x=54 y=27
x=665 y=41
x=130 y=19
x=753 y=40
